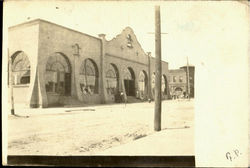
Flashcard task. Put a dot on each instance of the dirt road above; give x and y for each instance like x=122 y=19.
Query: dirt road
x=75 y=131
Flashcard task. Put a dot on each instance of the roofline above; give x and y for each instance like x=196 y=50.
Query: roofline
x=25 y=24
x=177 y=70
x=45 y=21
x=187 y=66
x=164 y=61
x=128 y=27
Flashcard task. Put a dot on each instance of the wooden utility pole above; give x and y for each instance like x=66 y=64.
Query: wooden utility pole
x=157 y=116
x=149 y=77
x=11 y=85
x=188 y=80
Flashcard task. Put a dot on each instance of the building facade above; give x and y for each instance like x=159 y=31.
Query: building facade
x=178 y=82
x=53 y=65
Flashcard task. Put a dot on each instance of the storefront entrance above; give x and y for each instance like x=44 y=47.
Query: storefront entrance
x=57 y=79
x=129 y=82
x=129 y=87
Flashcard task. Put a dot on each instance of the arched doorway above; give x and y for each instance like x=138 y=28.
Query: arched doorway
x=20 y=68
x=88 y=77
x=178 y=91
x=129 y=81
x=112 y=79
x=143 y=85
x=58 y=75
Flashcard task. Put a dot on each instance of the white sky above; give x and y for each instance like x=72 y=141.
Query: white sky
x=191 y=26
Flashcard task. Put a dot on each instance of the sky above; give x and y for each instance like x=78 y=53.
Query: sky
x=190 y=25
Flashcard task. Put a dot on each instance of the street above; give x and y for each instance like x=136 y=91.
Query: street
x=91 y=130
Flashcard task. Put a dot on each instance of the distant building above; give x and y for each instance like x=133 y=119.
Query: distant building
x=178 y=84
x=54 y=65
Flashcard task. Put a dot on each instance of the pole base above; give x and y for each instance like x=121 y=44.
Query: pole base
x=157 y=129
x=12 y=112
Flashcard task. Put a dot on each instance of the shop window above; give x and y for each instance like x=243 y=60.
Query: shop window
x=21 y=69
x=57 y=76
x=142 y=85
x=25 y=80
x=111 y=80
x=88 y=77
x=142 y=80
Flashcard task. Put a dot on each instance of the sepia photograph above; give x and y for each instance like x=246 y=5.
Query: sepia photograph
x=109 y=83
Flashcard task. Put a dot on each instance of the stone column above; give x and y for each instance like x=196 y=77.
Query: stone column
x=103 y=93
x=75 y=88
x=36 y=98
x=40 y=75
x=122 y=83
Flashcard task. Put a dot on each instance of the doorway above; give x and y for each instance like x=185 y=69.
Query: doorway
x=129 y=82
x=129 y=87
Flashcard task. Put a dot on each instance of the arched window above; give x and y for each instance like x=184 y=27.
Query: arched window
x=88 y=77
x=178 y=91
x=112 y=79
x=57 y=76
x=142 y=80
x=21 y=69
x=142 y=84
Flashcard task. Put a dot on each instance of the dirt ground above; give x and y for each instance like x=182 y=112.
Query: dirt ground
x=88 y=130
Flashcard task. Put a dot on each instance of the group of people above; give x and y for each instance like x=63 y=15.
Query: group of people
x=184 y=95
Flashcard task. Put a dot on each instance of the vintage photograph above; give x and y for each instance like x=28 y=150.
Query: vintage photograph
x=102 y=78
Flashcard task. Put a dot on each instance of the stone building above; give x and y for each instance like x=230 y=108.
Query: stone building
x=178 y=84
x=53 y=65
